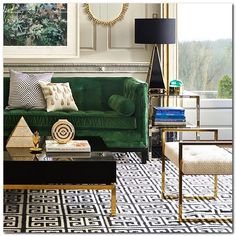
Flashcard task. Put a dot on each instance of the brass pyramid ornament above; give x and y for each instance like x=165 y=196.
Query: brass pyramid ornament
x=20 y=140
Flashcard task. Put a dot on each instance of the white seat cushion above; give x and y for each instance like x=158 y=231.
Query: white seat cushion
x=200 y=159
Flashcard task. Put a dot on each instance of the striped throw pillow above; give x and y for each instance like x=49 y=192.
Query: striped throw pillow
x=25 y=91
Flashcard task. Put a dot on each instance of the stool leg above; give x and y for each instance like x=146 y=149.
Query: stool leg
x=163 y=139
x=180 y=184
x=163 y=177
x=180 y=196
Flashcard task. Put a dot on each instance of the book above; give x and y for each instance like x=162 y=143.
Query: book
x=65 y=156
x=170 y=120
x=169 y=116
x=71 y=146
x=169 y=110
x=167 y=123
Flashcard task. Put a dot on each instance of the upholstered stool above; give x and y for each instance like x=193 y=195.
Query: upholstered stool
x=196 y=158
x=200 y=159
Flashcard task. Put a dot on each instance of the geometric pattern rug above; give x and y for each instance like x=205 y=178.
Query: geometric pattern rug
x=139 y=206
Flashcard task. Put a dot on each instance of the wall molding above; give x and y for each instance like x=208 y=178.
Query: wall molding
x=78 y=67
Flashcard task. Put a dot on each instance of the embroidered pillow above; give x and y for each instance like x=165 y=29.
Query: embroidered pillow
x=58 y=96
x=25 y=91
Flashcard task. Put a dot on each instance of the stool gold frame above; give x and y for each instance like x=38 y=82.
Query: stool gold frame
x=180 y=196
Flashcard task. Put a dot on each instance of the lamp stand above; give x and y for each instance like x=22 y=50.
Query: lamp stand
x=155 y=75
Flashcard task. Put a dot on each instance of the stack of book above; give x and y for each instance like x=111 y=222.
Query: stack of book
x=169 y=116
x=80 y=148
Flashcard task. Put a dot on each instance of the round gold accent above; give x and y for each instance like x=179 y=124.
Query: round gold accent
x=109 y=22
x=63 y=131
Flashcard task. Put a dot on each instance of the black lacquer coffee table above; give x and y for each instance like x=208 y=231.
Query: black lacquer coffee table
x=63 y=171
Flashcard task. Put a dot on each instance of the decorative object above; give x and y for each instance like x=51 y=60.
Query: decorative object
x=60 y=42
x=36 y=139
x=63 y=131
x=58 y=96
x=169 y=116
x=155 y=31
x=196 y=158
x=20 y=140
x=175 y=87
x=25 y=91
x=106 y=13
x=122 y=105
x=71 y=146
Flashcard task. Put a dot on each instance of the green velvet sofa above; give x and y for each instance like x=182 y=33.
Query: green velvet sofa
x=95 y=117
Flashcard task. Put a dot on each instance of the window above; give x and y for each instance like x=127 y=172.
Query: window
x=205 y=48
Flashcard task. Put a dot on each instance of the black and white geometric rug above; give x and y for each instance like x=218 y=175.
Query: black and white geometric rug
x=139 y=206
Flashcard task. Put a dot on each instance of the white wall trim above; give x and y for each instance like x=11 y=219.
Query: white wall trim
x=79 y=67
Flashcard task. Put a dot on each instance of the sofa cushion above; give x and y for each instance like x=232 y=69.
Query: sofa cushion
x=122 y=105
x=25 y=91
x=80 y=119
x=58 y=96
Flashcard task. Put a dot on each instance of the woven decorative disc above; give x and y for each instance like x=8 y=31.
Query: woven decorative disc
x=63 y=131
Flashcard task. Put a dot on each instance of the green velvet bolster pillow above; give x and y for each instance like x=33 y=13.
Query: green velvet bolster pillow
x=121 y=105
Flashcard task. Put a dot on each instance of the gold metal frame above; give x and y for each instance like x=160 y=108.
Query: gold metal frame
x=111 y=187
x=99 y=21
x=181 y=174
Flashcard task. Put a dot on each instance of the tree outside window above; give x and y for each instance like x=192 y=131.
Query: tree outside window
x=205 y=48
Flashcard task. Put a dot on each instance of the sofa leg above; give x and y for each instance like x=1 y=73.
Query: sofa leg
x=144 y=157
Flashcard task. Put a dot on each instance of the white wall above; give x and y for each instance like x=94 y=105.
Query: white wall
x=113 y=46
x=214 y=113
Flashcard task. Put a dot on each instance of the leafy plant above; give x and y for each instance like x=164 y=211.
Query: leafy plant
x=35 y=24
x=225 y=87
x=203 y=63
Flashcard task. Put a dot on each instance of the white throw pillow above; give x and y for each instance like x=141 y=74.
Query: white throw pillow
x=25 y=91
x=58 y=96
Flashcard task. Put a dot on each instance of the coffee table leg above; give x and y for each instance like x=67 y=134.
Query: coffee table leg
x=113 y=200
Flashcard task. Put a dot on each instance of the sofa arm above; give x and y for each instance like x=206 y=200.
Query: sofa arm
x=137 y=91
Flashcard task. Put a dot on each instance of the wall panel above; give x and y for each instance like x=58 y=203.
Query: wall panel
x=87 y=32
x=118 y=32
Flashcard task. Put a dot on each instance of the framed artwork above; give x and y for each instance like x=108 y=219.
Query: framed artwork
x=40 y=30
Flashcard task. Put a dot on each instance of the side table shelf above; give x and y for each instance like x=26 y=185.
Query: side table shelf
x=165 y=100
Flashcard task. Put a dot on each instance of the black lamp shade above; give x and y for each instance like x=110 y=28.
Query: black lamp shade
x=155 y=31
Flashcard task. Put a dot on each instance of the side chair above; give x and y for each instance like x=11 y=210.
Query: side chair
x=198 y=157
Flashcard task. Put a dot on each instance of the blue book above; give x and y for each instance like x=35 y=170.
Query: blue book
x=170 y=120
x=169 y=110
x=169 y=116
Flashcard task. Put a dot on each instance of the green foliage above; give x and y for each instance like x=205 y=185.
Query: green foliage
x=203 y=63
x=225 y=87
x=35 y=24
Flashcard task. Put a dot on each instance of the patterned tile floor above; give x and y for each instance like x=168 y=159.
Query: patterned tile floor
x=139 y=206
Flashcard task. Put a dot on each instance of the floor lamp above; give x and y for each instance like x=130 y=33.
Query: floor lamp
x=155 y=31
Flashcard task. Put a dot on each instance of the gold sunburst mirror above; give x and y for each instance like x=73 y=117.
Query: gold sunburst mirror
x=106 y=13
